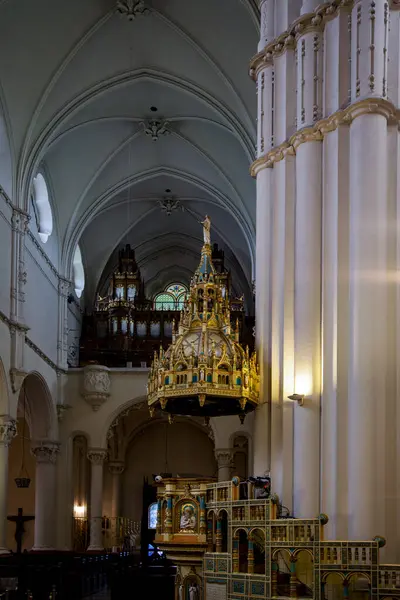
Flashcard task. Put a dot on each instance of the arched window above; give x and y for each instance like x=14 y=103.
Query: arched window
x=78 y=272
x=172 y=298
x=42 y=208
x=152 y=522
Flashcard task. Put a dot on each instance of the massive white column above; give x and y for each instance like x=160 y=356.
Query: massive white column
x=335 y=280
x=369 y=377
x=45 y=453
x=307 y=307
x=282 y=273
x=224 y=458
x=265 y=141
x=116 y=469
x=8 y=430
x=97 y=456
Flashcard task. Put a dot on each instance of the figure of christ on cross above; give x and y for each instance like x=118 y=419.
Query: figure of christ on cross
x=19 y=521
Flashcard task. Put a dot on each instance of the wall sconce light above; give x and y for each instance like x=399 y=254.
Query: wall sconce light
x=79 y=511
x=299 y=398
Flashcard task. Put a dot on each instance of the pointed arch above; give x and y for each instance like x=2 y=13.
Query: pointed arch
x=39 y=407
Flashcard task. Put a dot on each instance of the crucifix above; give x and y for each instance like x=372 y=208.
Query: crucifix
x=19 y=521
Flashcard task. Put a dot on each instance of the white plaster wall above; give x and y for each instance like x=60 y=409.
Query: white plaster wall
x=189 y=450
x=41 y=302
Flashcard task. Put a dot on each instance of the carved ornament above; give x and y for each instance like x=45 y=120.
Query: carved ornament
x=8 y=430
x=45 y=451
x=224 y=457
x=132 y=8
x=19 y=220
x=116 y=467
x=314 y=21
x=96 y=385
x=375 y=106
x=97 y=455
x=155 y=128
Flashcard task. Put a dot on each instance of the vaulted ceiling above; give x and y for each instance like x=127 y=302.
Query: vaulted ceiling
x=80 y=83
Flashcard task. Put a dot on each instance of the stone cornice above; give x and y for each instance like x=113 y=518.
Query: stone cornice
x=316 y=133
x=314 y=21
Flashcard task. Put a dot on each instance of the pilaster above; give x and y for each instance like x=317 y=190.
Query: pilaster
x=45 y=452
x=97 y=456
x=116 y=469
x=8 y=430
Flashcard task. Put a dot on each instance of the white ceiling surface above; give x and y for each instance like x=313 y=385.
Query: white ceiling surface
x=77 y=81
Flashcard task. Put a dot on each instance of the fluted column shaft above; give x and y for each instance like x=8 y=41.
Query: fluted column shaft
x=282 y=273
x=307 y=316
x=265 y=94
x=368 y=322
x=45 y=453
x=307 y=279
x=369 y=372
x=97 y=457
x=8 y=430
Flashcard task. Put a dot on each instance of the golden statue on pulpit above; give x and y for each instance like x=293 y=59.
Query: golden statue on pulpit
x=207 y=230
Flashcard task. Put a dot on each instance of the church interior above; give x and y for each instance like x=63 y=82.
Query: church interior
x=199 y=299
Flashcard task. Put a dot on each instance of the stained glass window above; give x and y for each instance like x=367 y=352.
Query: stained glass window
x=172 y=298
x=164 y=302
x=153 y=515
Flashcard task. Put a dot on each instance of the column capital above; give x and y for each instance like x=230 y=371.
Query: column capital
x=97 y=456
x=45 y=451
x=116 y=467
x=8 y=430
x=224 y=457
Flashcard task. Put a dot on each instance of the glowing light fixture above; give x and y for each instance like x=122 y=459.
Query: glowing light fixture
x=79 y=511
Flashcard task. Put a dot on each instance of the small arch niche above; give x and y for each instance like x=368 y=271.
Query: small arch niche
x=78 y=272
x=41 y=203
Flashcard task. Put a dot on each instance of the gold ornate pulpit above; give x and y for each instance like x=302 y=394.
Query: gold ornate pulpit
x=182 y=529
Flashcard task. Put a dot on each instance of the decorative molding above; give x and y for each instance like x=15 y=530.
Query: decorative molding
x=6 y=198
x=132 y=8
x=96 y=385
x=97 y=456
x=8 y=430
x=116 y=467
x=133 y=407
x=43 y=356
x=14 y=326
x=314 y=21
x=155 y=128
x=317 y=133
x=45 y=451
